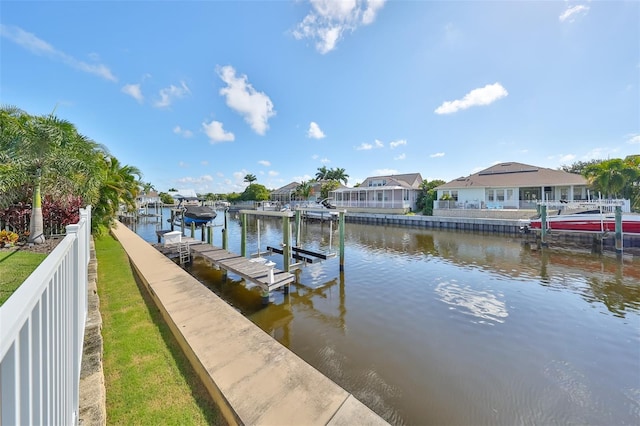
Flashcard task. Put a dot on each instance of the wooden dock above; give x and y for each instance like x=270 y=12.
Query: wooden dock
x=252 y=270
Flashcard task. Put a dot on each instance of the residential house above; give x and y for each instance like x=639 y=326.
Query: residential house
x=512 y=186
x=396 y=194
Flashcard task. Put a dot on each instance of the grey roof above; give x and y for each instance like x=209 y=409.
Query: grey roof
x=515 y=175
x=407 y=180
x=285 y=189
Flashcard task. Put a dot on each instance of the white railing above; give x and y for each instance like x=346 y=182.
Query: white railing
x=41 y=336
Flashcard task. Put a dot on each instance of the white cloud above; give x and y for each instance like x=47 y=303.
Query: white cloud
x=204 y=163
x=325 y=161
x=216 y=133
x=315 y=156
x=169 y=94
x=264 y=163
x=183 y=164
x=182 y=132
x=400 y=157
x=566 y=158
x=364 y=146
x=195 y=180
x=314 y=131
x=572 y=12
x=40 y=47
x=134 y=91
x=437 y=154
x=303 y=178
x=482 y=96
x=254 y=106
x=397 y=143
x=273 y=173
x=634 y=139
x=330 y=19
x=385 y=172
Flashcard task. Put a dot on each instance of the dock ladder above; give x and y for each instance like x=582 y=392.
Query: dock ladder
x=184 y=252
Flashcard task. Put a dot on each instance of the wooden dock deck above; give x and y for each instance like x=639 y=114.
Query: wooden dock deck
x=251 y=270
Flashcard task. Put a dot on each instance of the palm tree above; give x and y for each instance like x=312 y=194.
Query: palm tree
x=250 y=178
x=611 y=177
x=338 y=174
x=322 y=173
x=37 y=144
x=118 y=186
x=304 y=190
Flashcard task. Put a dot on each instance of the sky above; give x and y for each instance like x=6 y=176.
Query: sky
x=198 y=94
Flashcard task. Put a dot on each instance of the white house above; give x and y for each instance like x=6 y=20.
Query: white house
x=396 y=194
x=510 y=186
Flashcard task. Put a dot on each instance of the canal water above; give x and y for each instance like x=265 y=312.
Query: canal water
x=430 y=327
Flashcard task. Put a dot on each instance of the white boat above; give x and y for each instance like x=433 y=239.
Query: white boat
x=584 y=217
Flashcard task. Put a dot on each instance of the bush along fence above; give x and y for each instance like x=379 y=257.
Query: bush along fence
x=42 y=334
x=56 y=215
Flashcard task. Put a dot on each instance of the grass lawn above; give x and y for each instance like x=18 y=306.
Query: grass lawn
x=15 y=267
x=148 y=379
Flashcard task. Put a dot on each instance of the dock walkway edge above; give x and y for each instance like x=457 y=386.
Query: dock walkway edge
x=252 y=378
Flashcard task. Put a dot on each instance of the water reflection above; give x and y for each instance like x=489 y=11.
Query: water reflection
x=448 y=327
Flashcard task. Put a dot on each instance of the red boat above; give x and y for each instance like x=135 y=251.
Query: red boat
x=586 y=221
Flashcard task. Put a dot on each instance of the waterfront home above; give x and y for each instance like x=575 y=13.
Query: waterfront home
x=145 y=199
x=515 y=187
x=393 y=194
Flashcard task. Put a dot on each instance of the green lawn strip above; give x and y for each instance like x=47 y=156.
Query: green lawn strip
x=15 y=267
x=148 y=379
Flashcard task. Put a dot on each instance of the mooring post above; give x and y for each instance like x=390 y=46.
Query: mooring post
x=243 y=235
x=286 y=243
x=225 y=241
x=265 y=297
x=193 y=229
x=619 y=240
x=297 y=228
x=341 y=226
x=210 y=234
x=173 y=218
x=543 y=225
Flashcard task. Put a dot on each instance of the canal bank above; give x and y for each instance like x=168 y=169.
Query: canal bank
x=510 y=227
x=253 y=378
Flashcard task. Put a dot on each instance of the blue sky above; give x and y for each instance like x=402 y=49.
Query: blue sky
x=198 y=94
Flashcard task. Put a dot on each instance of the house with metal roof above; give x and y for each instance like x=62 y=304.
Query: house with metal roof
x=395 y=194
x=509 y=186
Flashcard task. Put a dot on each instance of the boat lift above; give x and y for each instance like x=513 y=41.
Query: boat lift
x=288 y=249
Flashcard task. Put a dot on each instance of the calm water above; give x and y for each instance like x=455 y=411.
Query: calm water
x=452 y=328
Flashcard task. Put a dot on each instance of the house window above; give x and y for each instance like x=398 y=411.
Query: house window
x=500 y=195
x=379 y=196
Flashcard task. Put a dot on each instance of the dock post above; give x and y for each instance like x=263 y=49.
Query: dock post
x=619 y=240
x=286 y=243
x=297 y=228
x=243 y=239
x=225 y=241
x=202 y=234
x=173 y=218
x=210 y=235
x=543 y=225
x=193 y=230
x=341 y=226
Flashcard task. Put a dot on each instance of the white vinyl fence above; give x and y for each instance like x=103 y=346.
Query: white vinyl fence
x=41 y=336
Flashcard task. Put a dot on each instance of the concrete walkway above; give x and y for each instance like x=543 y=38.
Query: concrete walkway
x=252 y=377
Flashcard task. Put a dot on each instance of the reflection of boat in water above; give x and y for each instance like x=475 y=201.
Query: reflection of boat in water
x=584 y=218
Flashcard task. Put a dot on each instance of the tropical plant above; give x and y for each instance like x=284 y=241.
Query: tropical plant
x=48 y=154
x=613 y=178
x=119 y=187
x=255 y=192
x=328 y=187
x=8 y=238
x=338 y=174
x=322 y=173
x=250 y=178
x=427 y=196
x=304 y=190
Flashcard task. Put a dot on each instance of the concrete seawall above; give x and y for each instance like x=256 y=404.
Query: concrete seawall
x=253 y=379
x=505 y=226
